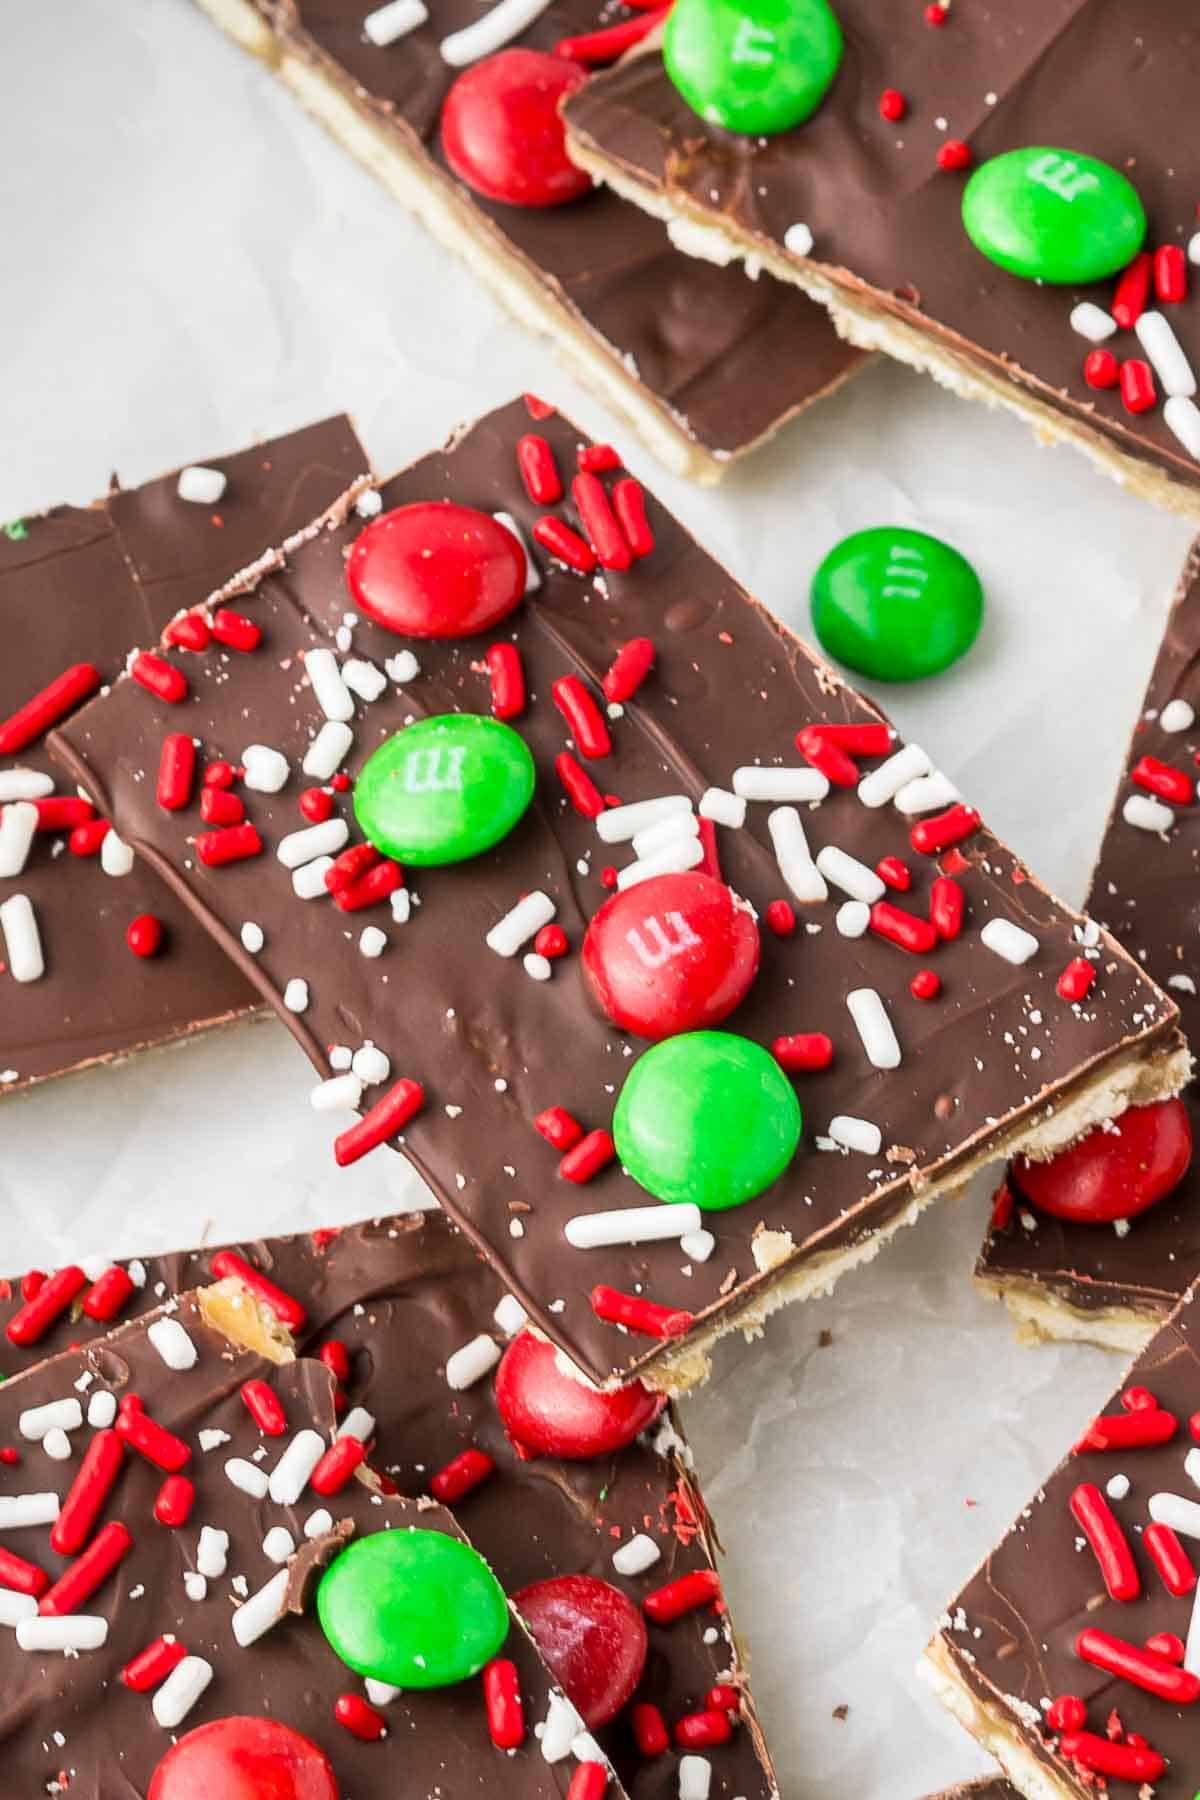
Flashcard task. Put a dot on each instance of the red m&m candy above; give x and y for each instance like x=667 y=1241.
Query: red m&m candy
x=244 y=1759
x=592 y=1639
x=675 y=953
x=436 y=570
x=1113 y=1174
x=502 y=133
x=548 y=1412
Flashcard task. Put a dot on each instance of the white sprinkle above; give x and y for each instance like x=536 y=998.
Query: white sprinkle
x=18 y=828
x=71 y=1631
x=1117 y=1487
x=1147 y=813
x=1177 y=715
x=621 y=823
x=381 y=1693
x=1193 y=248
x=329 y=690
x=853 y=918
x=266 y=769
x=856 y=1134
x=295 y=995
x=668 y=831
x=210 y=1439
x=212 y=1552
x=195 y=1585
x=173 y=1344
x=255 y=1617
x=520 y=923
x=102 y=1410
x=20 y=1510
x=22 y=940
x=675 y=858
x=1191 y=1466
x=202 y=486
x=799 y=784
x=371 y=1065
x=372 y=942
x=698 y=1246
x=318 y=1524
x=331 y=746
x=61 y=1415
x=798 y=240
x=341 y=1093
x=853 y=877
x=885 y=782
x=537 y=967
x=1157 y=338
x=247 y=1477
x=695 y=1777
x=1092 y=322
x=466 y=1366
x=929 y=793
x=402 y=668
x=289 y=1477
x=116 y=858
x=1181 y=1515
x=723 y=808
x=505 y=21
x=636 y=1556
x=174 y=1700
x=56 y=1444
x=358 y=1423
x=303 y=846
x=1191 y=1655
x=510 y=1316
x=1012 y=942
x=402 y=903
x=15 y=1607
x=632 y=1225
x=366 y=679
x=1183 y=418
x=533 y=579
x=308 y=881
x=341 y=1057
x=369 y=504
x=278 y=1544
x=792 y=854
x=874 y=1028
x=24 y=784
x=253 y=937
x=563 y=1725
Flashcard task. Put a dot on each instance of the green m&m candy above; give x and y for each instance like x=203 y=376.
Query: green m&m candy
x=444 y=789
x=416 y=1609
x=707 y=1117
x=1053 y=215
x=757 y=66
x=896 y=604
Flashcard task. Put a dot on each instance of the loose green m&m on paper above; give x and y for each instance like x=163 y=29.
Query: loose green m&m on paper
x=896 y=604
x=444 y=789
x=1053 y=215
x=707 y=1117
x=416 y=1609
x=757 y=66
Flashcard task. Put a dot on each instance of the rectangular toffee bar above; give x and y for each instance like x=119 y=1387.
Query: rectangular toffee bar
x=996 y=1061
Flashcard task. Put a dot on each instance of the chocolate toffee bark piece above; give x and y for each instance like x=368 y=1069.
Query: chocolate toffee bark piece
x=501 y=1077
x=1114 y=1282
x=861 y=204
x=619 y=1507
x=79 y=587
x=704 y=366
x=1073 y=1654
x=189 y=1544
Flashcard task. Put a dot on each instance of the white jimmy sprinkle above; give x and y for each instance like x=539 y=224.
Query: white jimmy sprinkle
x=723 y=808
x=300 y=847
x=253 y=936
x=116 y=858
x=798 y=240
x=20 y=1510
x=885 y=782
x=636 y=1556
x=24 y=784
x=247 y=1477
x=173 y=1344
x=520 y=923
x=212 y=1552
x=632 y=1225
x=402 y=668
x=195 y=1585
x=1177 y=715
x=668 y=831
x=537 y=967
x=370 y=1064
x=340 y=1093
x=372 y=942
x=798 y=784
x=929 y=793
x=369 y=504
x=381 y=1693
x=358 y=1423
x=563 y=1725
x=57 y=1444
x=1193 y=249
x=505 y=21
x=15 y=1607
x=1117 y=1487
x=278 y=1544
x=853 y=918
x=856 y=1134
x=366 y=679
x=102 y=1410
x=533 y=579
x=1092 y=322
x=266 y=769
x=174 y=1700
x=466 y=1366
x=1181 y=1515
x=295 y=995
x=18 y=827
x=318 y=1523
x=401 y=902
x=22 y=939
x=675 y=858
x=202 y=486
x=853 y=877
x=331 y=746
x=289 y=1477
x=698 y=1246
x=1147 y=813
x=329 y=690
x=1183 y=418
x=874 y=1028
x=71 y=1631
x=1191 y=1465
x=792 y=854
x=695 y=1777
x=510 y=1316
x=308 y=881
x=255 y=1616
x=621 y=823
x=61 y=1415
x=1012 y=942
x=1166 y=354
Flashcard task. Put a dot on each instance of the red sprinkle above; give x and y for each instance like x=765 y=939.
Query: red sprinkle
x=1067 y=1713
x=159 y=677
x=947 y=903
x=629 y=668
x=219 y=774
x=1170 y=1558
x=85 y=840
x=1100 y=1527
x=892 y=105
x=48 y=1302
x=1127 y=1762
x=925 y=985
x=825 y=754
x=608 y=876
x=895 y=873
x=370 y=889
x=236 y=843
x=188 y=632
x=507 y=678
x=954 y=155
x=48 y=706
x=586 y=1158
x=144 y=935
x=107 y=1295
x=696 y=1731
x=1128 y=1431
x=152 y=1665
x=350 y=865
x=583 y=717
x=174 y=1502
x=360 y=1719
x=650 y=1733
x=1161 y=779
x=539 y=471
x=1133 y=291
x=1138 y=391
x=937 y=12
x=402 y=1102
x=235 y=630
x=32 y=1283
x=915 y=935
x=803 y=1051
x=931 y=836
x=22 y=1577
x=593 y=49
x=63 y=812
x=537 y=409
x=600 y=522
x=1170 y=274
x=337 y=1465
x=461 y=1475
x=690 y=1592
x=140 y=1432
x=567 y=545
x=629 y=504
x=1075 y=982
x=228 y=1264
x=336 y=1358
x=265 y=1407
x=599 y=458
x=710 y=863
x=551 y=941
x=1131 y=1663
x=781 y=917
x=1101 y=369
x=502 y=1698
x=582 y=791
x=1167 y=1645
x=176 y=771
x=589 y=1782
x=723 y=1697
x=558 y=1128
x=94 y=1482
x=641 y=1315
x=315 y=804
x=1138 y=1399
x=88 y=1572
x=219 y=807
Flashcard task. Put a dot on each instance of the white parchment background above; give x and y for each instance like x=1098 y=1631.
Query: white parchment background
x=186 y=264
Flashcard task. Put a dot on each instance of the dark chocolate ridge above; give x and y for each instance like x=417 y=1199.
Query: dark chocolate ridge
x=713 y=639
